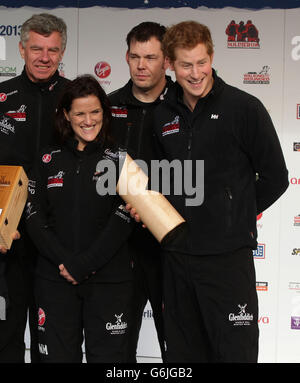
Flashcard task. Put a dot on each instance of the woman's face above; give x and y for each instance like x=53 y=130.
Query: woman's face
x=86 y=118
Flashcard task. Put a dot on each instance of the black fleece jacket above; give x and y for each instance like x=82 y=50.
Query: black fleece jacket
x=132 y=121
x=27 y=111
x=244 y=168
x=70 y=222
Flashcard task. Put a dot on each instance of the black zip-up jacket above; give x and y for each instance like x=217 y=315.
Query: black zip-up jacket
x=27 y=112
x=70 y=223
x=132 y=128
x=26 y=125
x=244 y=167
x=132 y=121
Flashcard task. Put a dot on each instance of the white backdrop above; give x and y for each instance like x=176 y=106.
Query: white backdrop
x=96 y=40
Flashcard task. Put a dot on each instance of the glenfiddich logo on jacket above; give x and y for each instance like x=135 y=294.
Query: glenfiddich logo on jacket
x=171 y=127
x=119 y=327
x=6 y=127
x=242 y=318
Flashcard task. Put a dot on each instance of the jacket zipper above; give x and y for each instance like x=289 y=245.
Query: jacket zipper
x=39 y=120
x=76 y=220
x=141 y=132
x=229 y=214
x=190 y=140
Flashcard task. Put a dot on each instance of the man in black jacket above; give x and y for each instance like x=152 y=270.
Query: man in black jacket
x=210 y=299
x=27 y=110
x=132 y=109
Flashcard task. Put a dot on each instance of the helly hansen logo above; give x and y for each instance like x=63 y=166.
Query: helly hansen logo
x=214 y=116
x=171 y=127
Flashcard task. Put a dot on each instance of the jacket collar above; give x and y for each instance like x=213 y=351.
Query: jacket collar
x=127 y=98
x=46 y=86
x=91 y=147
x=176 y=93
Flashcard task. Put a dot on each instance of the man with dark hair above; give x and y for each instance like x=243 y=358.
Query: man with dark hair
x=132 y=108
x=210 y=298
x=26 y=124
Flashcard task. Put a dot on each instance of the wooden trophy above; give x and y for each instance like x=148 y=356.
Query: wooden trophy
x=13 y=195
x=155 y=211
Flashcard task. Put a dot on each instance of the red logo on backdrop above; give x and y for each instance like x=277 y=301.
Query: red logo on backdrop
x=102 y=69
x=46 y=158
x=3 y=97
x=258 y=217
x=42 y=317
x=241 y=35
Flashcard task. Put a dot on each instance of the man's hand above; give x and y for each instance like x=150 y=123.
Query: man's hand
x=64 y=273
x=16 y=235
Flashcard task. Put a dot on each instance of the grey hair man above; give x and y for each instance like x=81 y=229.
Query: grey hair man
x=27 y=109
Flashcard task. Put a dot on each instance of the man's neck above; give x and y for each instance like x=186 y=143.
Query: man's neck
x=149 y=95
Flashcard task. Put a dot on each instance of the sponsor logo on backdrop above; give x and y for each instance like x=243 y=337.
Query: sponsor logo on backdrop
x=241 y=35
x=61 y=69
x=297 y=220
x=295 y=323
x=263 y=320
x=296 y=251
x=261 y=286
x=296 y=146
x=295 y=181
x=295 y=286
x=242 y=318
x=8 y=71
x=260 y=252
x=261 y=77
x=298 y=112
x=102 y=70
x=259 y=224
x=148 y=314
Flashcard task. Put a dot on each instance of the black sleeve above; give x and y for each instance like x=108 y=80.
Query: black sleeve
x=263 y=148
x=101 y=251
x=36 y=217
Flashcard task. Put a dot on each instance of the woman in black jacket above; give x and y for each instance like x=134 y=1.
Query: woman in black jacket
x=83 y=274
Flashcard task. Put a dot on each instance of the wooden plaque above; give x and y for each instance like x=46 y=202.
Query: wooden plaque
x=13 y=196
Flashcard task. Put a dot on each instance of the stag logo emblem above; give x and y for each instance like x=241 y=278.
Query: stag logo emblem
x=242 y=309
x=118 y=321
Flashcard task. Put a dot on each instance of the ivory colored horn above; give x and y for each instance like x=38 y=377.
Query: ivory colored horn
x=154 y=209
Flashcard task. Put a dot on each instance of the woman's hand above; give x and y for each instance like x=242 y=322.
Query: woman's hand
x=64 y=273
